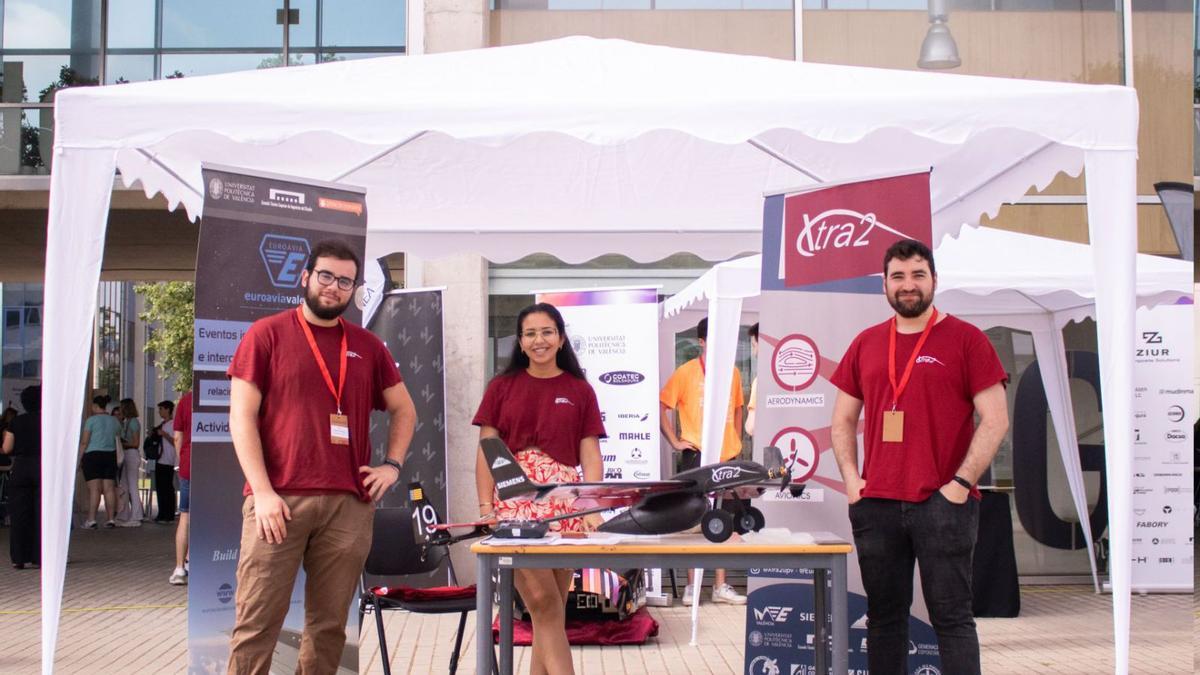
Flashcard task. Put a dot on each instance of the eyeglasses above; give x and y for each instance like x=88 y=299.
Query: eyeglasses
x=325 y=277
x=545 y=333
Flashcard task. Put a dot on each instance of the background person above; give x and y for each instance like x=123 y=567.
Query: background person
x=128 y=494
x=684 y=395
x=921 y=377
x=542 y=407
x=98 y=444
x=182 y=425
x=164 y=466
x=304 y=383
x=22 y=440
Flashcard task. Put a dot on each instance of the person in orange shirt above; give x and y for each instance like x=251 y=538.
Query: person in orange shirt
x=684 y=395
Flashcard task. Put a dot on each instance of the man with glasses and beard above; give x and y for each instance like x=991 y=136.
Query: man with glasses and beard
x=304 y=382
x=921 y=377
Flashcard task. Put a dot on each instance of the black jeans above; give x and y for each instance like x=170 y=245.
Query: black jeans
x=939 y=535
x=24 y=505
x=164 y=485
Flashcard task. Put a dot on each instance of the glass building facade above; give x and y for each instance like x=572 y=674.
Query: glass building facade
x=46 y=45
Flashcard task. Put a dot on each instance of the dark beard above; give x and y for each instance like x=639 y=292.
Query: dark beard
x=910 y=311
x=323 y=313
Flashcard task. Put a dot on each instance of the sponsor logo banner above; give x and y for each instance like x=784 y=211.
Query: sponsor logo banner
x=1162 y=372
x=821 y=282
x=614 y=332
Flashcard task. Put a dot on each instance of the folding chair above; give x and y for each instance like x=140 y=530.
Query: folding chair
x=396 y=551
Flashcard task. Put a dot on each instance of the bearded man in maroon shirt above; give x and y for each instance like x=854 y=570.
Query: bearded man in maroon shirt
x=304 y=382
x=921 y=376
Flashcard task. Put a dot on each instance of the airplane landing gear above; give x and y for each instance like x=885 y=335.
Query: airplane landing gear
x=717 y=525
x=751 y=520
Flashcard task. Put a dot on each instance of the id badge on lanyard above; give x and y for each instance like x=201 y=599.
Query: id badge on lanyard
x=339 y=424
x=893 y=420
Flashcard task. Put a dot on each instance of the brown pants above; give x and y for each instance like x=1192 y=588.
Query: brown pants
x=331 y=535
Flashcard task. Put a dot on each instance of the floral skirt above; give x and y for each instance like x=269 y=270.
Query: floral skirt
x=542 y=468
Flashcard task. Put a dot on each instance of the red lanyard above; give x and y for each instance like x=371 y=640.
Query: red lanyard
x=312 y=343
x=898 y=389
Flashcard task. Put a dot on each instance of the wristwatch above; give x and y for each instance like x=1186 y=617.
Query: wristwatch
x=394 y=464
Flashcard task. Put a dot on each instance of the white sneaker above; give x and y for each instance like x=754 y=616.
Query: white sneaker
x=89 y=524
x=687 y=596
x=129 y=523
x=178 y=577
x=725 y=594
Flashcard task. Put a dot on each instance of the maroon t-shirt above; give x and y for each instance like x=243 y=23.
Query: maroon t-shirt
x=956 y=363
x=183 y=424
x=553 y=414
x=293 y=420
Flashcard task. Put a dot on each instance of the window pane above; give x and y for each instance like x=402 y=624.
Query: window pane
x=37 y=74
x=37 y=24
x=221 y=23
x=130 y=24
x=335 y=55
x=192 y=65
x=367 y=23
x=129 y=69
x=303 y=34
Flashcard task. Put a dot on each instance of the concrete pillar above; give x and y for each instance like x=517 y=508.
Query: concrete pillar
x=454 y=25
x=465 y=277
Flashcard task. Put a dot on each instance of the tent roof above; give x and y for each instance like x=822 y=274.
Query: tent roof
x=985 y=272
x=504 y=146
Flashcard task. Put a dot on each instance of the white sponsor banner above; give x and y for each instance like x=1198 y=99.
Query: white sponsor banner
x=1164 y=412
x=614 y=332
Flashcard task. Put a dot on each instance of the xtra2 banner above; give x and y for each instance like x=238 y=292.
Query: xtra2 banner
x=822 y=283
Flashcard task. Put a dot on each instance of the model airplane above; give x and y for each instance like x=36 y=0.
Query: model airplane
x=655 y=507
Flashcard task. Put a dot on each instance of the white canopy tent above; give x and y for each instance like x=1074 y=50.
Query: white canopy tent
x=559 y=146
x=1040 y=286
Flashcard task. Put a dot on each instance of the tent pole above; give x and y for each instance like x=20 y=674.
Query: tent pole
x=757 y=144
x=1014 y=164
x=169 y=170
x=378 y=156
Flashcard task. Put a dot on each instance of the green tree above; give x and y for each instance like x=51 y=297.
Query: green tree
x=171 y=305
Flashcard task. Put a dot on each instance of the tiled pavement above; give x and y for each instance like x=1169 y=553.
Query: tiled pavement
x=121 y=616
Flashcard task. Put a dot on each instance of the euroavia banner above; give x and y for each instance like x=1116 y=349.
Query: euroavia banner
x=255 y=236
x=1164 y=399
x=614 y=332
x=822 y=283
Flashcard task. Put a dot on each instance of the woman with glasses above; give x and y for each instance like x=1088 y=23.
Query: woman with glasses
x=542 y=407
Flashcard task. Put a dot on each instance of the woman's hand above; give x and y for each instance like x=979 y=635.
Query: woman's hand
x=592 y=522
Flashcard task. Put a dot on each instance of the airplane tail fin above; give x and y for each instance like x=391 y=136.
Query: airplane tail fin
x=773 y=461
x=510 y=478
x=425 y=516
x=773 y=457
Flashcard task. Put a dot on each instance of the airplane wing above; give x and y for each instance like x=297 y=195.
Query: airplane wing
x=612 y=494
